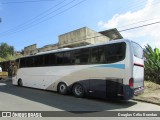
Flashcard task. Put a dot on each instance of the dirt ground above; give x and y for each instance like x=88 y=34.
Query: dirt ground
x=151 y=93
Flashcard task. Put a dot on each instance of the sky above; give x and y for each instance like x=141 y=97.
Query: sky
x=26 y=22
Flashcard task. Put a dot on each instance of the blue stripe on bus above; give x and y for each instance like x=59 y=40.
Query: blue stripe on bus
x=120 y=66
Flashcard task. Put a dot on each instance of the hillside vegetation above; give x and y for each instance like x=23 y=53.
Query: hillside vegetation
x=7 y=52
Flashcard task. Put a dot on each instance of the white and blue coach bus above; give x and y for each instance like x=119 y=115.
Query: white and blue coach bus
x=107 y=70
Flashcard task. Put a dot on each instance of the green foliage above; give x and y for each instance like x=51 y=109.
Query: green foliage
x=2 y=59
x=152 y=64
x=6 y=50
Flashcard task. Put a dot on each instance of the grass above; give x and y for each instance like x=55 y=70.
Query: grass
x=151 y=93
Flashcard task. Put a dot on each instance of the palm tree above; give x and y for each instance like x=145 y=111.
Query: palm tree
x=152 y=64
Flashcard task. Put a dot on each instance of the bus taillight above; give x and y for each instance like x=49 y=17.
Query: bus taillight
x=131 y=82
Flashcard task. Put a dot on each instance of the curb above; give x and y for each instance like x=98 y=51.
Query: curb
x=141 y=100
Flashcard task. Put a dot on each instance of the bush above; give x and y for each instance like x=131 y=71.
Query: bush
x=152 y=64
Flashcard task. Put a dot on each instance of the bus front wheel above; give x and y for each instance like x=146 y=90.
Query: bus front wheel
x=78 y=90
x=20 y=83
x=62 y=88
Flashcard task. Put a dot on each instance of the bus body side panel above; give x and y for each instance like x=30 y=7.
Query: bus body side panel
x=99 y=80
x=42 y=77
x=134 y=73
x=138 y=72
x=138 y=76
x=128 y=91
x=138 y=69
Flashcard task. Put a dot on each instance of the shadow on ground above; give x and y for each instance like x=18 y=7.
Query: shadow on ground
x=63 y=102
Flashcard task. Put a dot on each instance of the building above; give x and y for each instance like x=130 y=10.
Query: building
x=79 y=37
x=28 y=50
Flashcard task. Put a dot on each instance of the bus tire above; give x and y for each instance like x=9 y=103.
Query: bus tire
x=78 y=90
x=20 y=83
x=62 y=88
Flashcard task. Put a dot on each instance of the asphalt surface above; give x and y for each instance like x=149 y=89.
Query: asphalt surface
x=14 y=98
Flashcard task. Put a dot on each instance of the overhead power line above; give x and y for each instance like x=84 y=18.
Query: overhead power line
x=139 y=26
x=31 y=23
x=32 y=19
x=23 y=26
x=138 y=22
x=65 y=10
x=27 y=1
x=123 y=30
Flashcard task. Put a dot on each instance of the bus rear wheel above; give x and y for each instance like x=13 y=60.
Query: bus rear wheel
x=20 y=83
x=62 y=88
x=78 y=90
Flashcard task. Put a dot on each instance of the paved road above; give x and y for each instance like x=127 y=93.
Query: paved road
x=14 y=98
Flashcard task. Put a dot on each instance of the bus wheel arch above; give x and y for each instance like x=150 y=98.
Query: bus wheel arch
x=78 y=90
x=62 y=88
x=20 y=83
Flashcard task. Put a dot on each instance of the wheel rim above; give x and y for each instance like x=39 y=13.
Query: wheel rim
x=62 y=88
x=78 y=90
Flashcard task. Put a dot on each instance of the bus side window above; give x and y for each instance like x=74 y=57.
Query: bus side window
x=47 y=60
x=52 y=59
x=59 y=57
x=67 y=58
x=94 y=55
x=101 y=54
x=97 y=55
x=84 y=56
x=39 y=61
x=22 y=63
x=115 y=52
x=76 y=56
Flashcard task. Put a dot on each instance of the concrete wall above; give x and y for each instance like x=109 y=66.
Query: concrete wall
x=94 y=37
x=29 y=48
x=48 y=48
x=79 y=37
x=32 y=49
x=72 y=37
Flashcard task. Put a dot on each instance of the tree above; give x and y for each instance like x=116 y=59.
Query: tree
x=6 y=50
x=152 y=64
